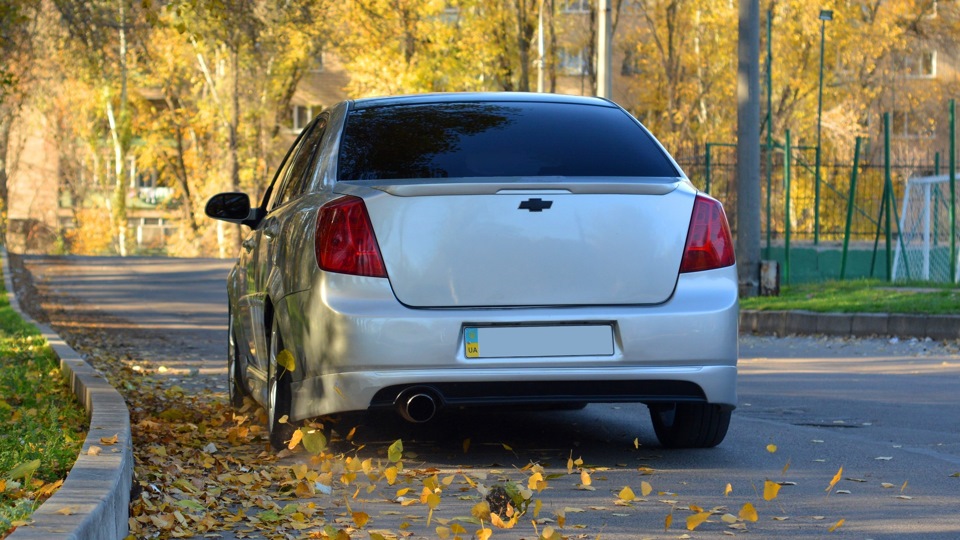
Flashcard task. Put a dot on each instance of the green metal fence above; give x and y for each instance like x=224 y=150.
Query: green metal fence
x=857 y=202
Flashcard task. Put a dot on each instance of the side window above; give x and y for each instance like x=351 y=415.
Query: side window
x=302 y=165
x=270 y=196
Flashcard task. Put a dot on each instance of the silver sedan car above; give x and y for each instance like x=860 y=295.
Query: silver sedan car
x=438 y=251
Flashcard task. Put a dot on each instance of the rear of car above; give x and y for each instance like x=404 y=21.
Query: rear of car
x=487 y=249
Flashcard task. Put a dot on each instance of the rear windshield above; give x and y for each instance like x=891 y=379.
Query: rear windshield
x=462 y=140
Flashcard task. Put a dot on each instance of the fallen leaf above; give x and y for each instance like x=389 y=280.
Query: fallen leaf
x=728 y=518
x=395 y=452
x=836 y=526
x=295 y=439
x=727 y=490
x=314 y=441
x=887 y=485
x=286 y=361
x=836 y=478
x=67 y=511
x=645 y=489
x=696 y=520
x=585 y=478
x=904 y=497
x=667 y=522
x=25 y=470
x=883 y=458
x=626 y=494
x=94 y=451
x=360 y=519
x=748 y=513
x=770 y=490
x=110 y=441
x=772 y=448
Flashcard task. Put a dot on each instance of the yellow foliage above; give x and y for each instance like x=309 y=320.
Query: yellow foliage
x=92 y=236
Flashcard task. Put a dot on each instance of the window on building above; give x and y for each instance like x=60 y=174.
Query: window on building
x=572 y=62
x=911 y=125
x=451 y=13
x=576 y=6
x=921 y=65
x=317 y=65
x=301 y=115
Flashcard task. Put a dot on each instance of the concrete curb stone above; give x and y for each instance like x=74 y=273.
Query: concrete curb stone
x=93 y=503
x=784 y=323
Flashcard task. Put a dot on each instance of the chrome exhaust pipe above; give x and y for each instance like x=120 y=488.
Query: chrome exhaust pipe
x=418 y=406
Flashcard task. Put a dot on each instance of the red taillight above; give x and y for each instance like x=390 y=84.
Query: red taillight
x=709 y=244
x=345 y=242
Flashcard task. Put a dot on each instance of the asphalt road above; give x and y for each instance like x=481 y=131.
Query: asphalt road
x=886 y=412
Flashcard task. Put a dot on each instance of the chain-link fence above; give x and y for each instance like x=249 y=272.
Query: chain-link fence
x=713 y=169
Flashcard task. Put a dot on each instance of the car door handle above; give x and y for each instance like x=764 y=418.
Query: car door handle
x=249 y=244
x=271 y=229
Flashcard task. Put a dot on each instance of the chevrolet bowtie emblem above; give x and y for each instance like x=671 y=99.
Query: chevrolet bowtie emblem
x=535 y=205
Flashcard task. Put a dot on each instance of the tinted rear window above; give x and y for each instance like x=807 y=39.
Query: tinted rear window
x=456 y=140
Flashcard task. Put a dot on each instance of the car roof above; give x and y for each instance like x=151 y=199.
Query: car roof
x=478 y=97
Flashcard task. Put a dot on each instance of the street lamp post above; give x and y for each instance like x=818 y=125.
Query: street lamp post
x=825 y=15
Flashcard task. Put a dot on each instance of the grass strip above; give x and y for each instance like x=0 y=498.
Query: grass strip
x=862 y=296
x=42 y=424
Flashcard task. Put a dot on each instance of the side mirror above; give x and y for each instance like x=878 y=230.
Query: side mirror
x=231 y=207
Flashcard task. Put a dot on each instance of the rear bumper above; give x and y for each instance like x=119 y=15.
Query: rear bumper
x=359 y=347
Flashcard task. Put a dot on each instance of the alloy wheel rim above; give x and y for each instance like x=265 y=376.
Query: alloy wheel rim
x=272 y=383
x=231 y=358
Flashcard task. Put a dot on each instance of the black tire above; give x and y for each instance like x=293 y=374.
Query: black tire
x=279 y=396
x=690 y=425
x=235 y=382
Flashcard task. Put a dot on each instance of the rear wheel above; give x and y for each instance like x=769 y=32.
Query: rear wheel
x=237 y=387
x=279 y=398
x=690 y=425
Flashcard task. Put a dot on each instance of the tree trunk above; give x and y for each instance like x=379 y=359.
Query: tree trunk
x=233 y=159
x=118 y=207
x=4 y=192
x=523 y=45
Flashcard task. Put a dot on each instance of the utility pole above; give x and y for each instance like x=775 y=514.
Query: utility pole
x=825 y=15
x=748 y=148
x=604 y=55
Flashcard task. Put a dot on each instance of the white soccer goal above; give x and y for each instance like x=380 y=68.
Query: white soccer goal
x=923 y=250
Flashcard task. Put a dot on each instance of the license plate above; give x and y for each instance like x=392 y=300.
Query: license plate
x=537 y=341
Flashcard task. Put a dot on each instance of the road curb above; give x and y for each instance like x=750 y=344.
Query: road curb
x=785 y=323
x=94 y=501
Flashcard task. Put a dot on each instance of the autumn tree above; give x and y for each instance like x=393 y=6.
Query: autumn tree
x=100 y=35
x=409 y=46
x=226 y=74
x=683 y=53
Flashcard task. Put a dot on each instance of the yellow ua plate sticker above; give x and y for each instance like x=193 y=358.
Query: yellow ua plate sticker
x=472 y=344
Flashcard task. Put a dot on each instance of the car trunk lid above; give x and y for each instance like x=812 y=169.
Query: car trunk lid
x=545 y=243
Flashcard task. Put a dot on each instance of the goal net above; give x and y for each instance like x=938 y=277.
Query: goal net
x=923 y=250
